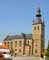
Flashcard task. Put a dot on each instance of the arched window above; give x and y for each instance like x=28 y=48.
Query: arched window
x=11 y=44
x=20 y=43
x=15 y=43
x=35 y=50
x=28 y=41
x=19 y=50
x=8 y=44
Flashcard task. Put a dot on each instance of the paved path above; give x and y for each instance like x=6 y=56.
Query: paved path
x=27 y=58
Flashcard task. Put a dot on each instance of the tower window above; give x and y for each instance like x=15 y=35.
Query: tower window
x=34 y=28
x=38 y=27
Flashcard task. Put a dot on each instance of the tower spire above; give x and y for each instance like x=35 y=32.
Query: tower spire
x=38 y=14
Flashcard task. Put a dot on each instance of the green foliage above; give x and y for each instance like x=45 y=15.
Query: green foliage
x=47 y=50
x=23 y=34
x=11 y=51
x=45 y=54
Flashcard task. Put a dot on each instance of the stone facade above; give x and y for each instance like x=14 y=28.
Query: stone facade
x=28 y=44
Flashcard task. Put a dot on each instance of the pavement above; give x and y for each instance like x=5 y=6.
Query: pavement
x=27 y=58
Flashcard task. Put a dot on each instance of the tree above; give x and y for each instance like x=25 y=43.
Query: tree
x=11 y=52
x=48 y=50
x=23 y=34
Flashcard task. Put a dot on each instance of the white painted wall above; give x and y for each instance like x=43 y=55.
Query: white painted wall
x=4 y=50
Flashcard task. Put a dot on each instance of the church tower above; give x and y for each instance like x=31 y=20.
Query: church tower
x=38 y=28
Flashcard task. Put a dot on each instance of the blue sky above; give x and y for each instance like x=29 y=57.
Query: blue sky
x=16 y=16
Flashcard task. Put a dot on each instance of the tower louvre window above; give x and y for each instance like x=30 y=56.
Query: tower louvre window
x=35 y=28
x=38 y=27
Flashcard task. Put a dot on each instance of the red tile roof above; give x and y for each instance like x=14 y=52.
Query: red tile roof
x=3 y=47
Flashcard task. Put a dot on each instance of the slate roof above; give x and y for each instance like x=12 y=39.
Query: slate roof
x=21 y=36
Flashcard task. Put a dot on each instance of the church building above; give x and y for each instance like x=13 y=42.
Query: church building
x=28 y=44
